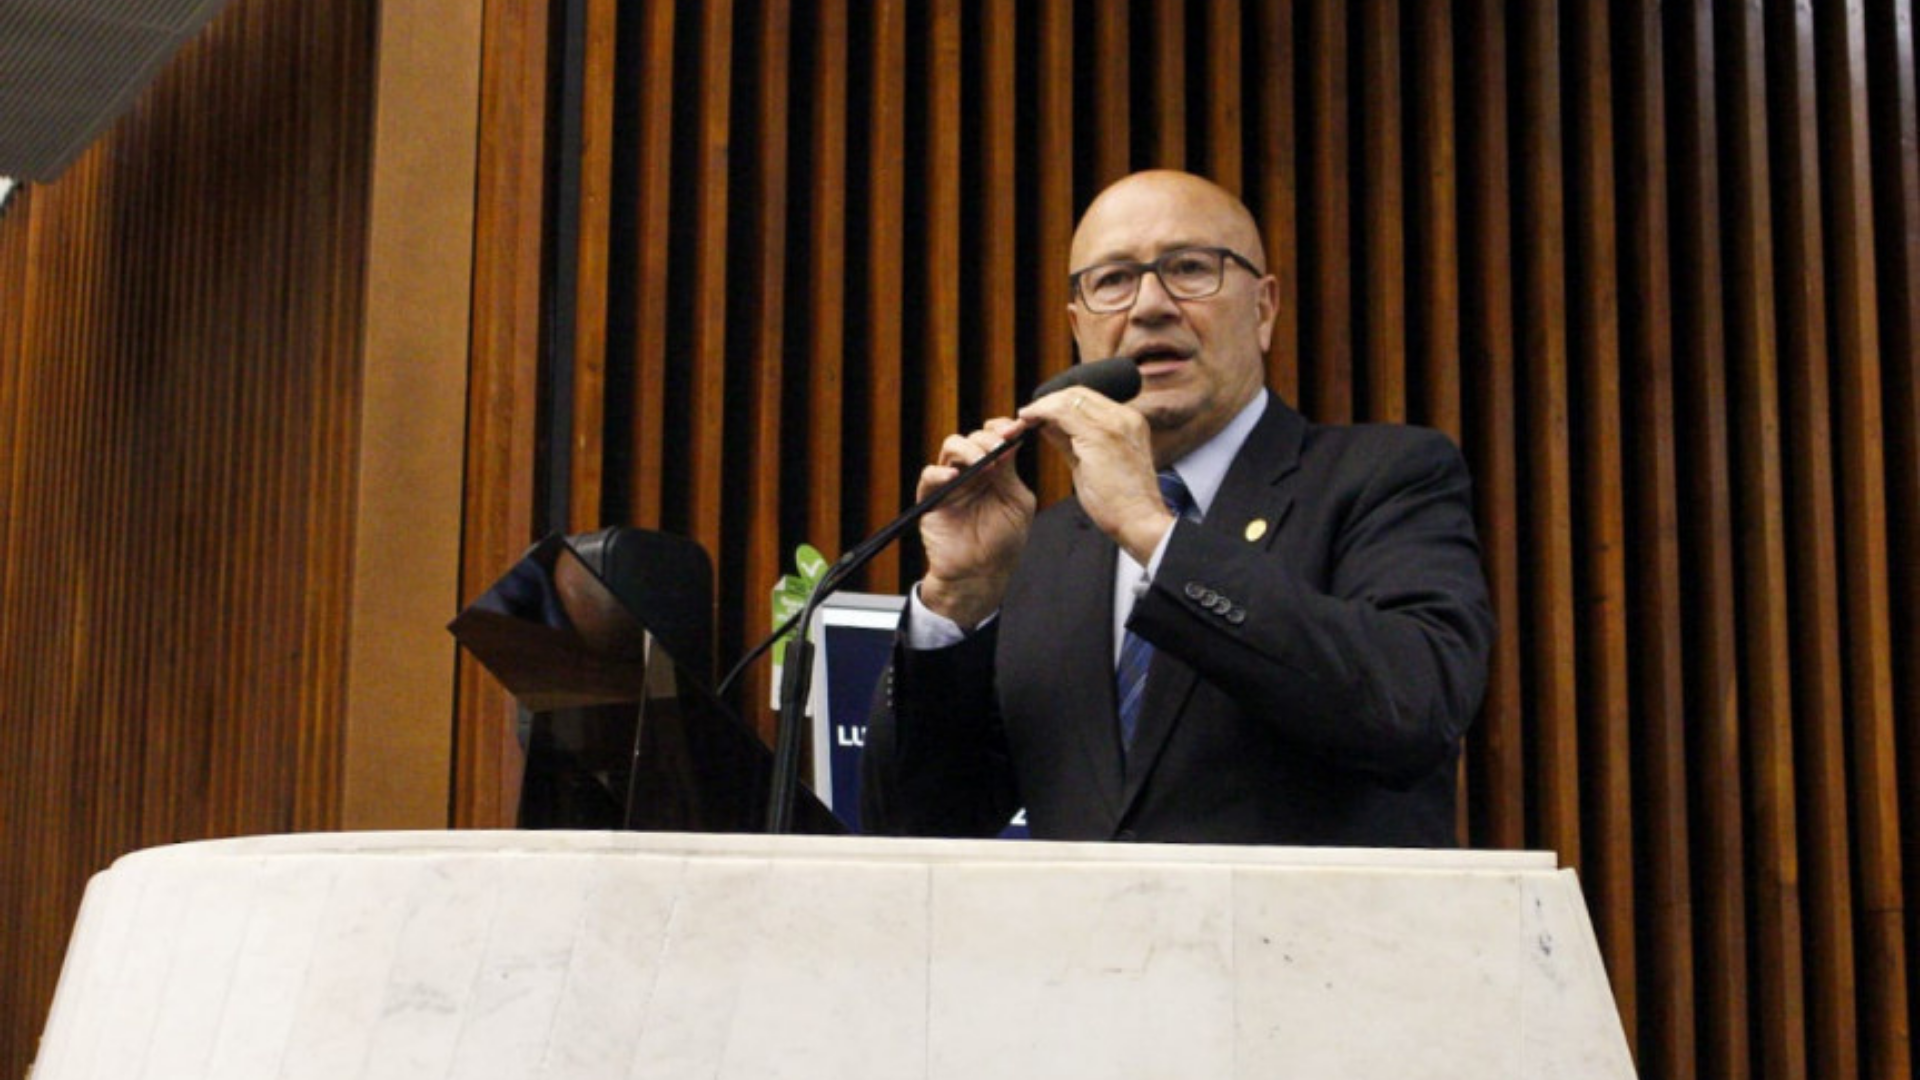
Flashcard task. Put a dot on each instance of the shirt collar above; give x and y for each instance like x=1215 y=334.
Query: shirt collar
x=1205 y=468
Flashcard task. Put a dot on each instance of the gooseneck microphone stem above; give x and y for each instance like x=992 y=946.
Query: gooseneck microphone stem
x=1117 y=378
x=797 y=675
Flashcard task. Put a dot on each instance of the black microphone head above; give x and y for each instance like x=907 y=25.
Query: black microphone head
x=1117 y=377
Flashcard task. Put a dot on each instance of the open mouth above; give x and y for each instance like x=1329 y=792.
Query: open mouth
x=1155 y=359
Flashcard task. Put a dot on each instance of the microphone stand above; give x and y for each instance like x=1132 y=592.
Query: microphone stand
x=797 y=679
x=1118 y=377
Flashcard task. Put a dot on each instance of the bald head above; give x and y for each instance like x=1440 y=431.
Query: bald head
x=1164 y=208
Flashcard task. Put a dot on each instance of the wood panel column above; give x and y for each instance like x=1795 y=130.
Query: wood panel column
x=411 y=441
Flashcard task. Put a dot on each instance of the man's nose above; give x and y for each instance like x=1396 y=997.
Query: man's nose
x=1153 y=303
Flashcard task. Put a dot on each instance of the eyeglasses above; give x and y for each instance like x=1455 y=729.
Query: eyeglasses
x=1193 y=273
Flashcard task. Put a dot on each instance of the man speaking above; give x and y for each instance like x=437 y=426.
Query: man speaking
x=1242 y=628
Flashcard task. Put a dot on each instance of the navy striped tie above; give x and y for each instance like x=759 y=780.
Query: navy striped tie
x=1136 y=655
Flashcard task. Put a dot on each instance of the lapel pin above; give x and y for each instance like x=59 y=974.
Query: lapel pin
x=1256 y=529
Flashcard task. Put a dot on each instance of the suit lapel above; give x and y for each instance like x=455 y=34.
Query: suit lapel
x=1258 y=487
x=1089 y=646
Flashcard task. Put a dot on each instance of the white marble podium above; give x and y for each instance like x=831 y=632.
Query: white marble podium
x=577 y=955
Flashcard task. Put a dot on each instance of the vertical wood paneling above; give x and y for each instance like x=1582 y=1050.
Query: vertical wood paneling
x=1432 y=339
x=252 y=664
x=1433 y=259
x=1057 y=205
x=590 y=267
x=1326 y=294
x=654 y=257
x=885 y=289
x=1594 y=321
x=1593 y=318
x=826 y=294
x=1111 y=108
x=16 y=431
x=1895 y=131
x=328 y=256
x=167 y=757
x=1381 y=327
x=1273 y=188
x=502 y=393
x=180 y=326
x=1167 y=100
x=707 y=395
x=1001 y=252
x=1497 y=745
x=15 y=417
x=17 y=1024
x=1225 y=153
x=39 y=403
x=1630 y=254
x=1818 y=744
x=1655 y=602
x=1871 y=782
x=1541 y=326
x=765 y=558
x=1703 y=402
x=1777 y=1036
x=940 y=349
x=398 y=766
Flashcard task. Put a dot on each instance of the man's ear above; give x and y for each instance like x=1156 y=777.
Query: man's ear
x=1268 y=305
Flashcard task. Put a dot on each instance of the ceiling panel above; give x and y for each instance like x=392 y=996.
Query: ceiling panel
x=69 y=68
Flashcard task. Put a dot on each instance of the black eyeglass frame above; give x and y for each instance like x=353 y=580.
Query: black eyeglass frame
x=1144 y=268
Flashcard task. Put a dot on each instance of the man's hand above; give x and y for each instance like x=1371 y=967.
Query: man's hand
x=1111 y=449
x=974 y=538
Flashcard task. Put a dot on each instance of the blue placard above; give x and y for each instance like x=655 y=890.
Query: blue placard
x=853 y=639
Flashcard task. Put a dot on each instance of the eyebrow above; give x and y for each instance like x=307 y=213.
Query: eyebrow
x=1112 y=256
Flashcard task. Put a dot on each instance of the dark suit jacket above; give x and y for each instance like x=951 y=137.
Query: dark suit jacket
x=1311 y=682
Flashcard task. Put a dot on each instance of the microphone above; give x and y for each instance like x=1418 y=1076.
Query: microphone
x=1117 y=377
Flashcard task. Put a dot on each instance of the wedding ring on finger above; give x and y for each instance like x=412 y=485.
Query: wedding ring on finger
x=1079 y=401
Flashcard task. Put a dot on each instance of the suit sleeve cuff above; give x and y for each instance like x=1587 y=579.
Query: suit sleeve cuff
x=1159 y=552
x=927 y=629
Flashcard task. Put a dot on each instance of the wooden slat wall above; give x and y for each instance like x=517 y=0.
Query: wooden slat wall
x=1273 y=178
x=1654 y=603
x=1778 y=994
x=1323 y=192
x=1656 y=266
x=1703 y=334
x=1819 y=771
x=599 y=55
x=1600 y=520
x=180 y=321
x=502 y=385
x=1059 y=104
x=1496 y=763
x=1652 y=264
x=766 y=379
x=1895 y=182
x=1867 y=724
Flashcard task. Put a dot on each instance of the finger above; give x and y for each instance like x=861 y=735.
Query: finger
x=932 y=477
x=1075 y=409
x=961 y=451
x=1006 y=427
x=996 y=433
x=1062 y=442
